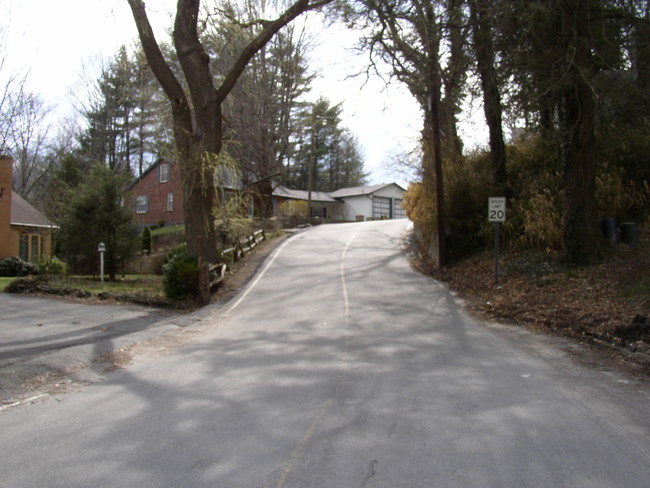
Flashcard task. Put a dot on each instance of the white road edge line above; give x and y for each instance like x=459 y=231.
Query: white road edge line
x=22 y=402
x=258 y=278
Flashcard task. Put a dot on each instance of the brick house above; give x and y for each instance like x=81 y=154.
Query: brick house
x=24 y=231
x=157 y=196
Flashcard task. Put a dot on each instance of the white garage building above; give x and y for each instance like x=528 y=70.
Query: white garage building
x=358 y=203
x=371 y=202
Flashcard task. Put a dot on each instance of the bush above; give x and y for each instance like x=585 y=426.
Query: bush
x=180 y=274
x=536 y=209
x=53 y=266
x=14 y=266
x=468 y=183
x=146 y=241
x=619 y=196
x=294 y=209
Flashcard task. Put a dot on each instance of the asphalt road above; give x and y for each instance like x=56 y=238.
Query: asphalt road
x=340 y=367
x=32 y=326
x=38 y=335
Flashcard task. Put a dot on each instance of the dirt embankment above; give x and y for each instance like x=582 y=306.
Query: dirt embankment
x=607 y=305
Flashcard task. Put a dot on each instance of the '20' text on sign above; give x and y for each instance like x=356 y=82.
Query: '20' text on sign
x=497 y=209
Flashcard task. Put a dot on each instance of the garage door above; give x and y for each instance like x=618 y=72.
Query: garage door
x=381 y=208
x=398 y=211
x=391 y=208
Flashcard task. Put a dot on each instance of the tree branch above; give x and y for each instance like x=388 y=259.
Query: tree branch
x=155 y=58
x=270 y=29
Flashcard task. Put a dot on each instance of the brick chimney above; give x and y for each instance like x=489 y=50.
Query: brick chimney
x=6 y=176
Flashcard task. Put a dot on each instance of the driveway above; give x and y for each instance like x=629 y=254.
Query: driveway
x=40 y=334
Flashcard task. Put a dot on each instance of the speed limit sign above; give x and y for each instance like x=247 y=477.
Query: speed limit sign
x=497 y=209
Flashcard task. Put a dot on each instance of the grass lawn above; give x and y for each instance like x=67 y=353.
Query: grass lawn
x=4 y=281
x=149 y=285
x=140 y=284
x=167 y=230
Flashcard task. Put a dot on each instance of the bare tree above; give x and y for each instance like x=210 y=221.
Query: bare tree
x=23 y=127
x=198 y=118
x=28 y=143
x=12 y=91
x=408 y=35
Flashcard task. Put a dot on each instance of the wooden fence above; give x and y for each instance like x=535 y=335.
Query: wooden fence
x=241 y=247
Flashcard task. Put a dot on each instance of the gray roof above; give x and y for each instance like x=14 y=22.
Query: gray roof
x=22 y=213
x=333 y=197
x=360 y=190
x=316 y=196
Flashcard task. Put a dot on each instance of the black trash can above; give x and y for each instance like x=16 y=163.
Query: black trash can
x=608 y=227
x=629 y=233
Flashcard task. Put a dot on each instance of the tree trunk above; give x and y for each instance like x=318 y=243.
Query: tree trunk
x=434 y=83
x=485 y=60
x=266 y=198
x=454 y=78
x=203 y=143
x=578 y=139
x=641 y=59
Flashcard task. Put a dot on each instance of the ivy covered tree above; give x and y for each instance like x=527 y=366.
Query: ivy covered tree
x=198 y=110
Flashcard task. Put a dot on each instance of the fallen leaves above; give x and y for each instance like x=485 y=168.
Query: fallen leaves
x=607 y=304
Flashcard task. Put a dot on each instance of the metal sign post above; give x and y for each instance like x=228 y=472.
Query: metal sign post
x=496 y=214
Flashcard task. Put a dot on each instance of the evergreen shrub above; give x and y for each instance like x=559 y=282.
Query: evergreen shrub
x=14 y=266
x=180 y=274
x=146 y=241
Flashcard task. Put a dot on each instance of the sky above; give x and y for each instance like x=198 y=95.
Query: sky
x=61 y=42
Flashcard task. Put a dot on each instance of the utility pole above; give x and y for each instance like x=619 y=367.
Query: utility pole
x=314 y=161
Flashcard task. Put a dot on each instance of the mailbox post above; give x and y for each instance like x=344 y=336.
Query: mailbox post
x=102 y=249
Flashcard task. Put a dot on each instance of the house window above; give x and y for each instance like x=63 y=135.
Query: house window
x=170 y=202
x=35 y=251
x=30 y=247
x=164 y=172
x=23 y=249
x=141 y=204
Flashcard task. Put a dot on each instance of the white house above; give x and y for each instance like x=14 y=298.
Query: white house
x=371 y=202
x=358 y=203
